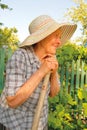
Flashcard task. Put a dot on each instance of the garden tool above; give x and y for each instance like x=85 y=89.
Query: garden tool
x=40 y=103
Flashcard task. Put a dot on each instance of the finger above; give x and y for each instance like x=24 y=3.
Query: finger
x=53 y=62
x=50 y=55
x=51 y=59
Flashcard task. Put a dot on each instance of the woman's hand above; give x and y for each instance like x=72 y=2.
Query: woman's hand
x=49 y=64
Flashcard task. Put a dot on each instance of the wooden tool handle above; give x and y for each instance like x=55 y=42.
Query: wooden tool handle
x=40 y=103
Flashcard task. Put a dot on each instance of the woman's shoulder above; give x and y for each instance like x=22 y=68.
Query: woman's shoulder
x=22 y=51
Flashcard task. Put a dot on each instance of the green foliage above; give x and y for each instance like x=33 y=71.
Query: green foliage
x=82 y=94
x=70 y=52
x=78 y=14
x=4 y=6
x=66 y=113
x=8 y=38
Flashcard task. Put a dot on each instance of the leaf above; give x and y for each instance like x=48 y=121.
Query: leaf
x=85 y=108
x=80 y=94
x=71 y=101
x=67 y=116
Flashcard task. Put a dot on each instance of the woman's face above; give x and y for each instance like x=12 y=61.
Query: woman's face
x=52 y=42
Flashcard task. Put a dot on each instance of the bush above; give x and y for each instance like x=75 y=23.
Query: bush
x=66 y=113
x=71 y=52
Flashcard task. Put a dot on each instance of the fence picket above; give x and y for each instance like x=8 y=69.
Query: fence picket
x=9 y=53
x=86 y=77
x=2 y=68
x=77 y=74
x=62 y=72
x=67 y=78
x=82 y=75
x=62 y=75
x=72 y=78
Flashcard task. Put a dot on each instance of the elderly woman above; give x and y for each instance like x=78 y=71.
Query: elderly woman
x=26 y=70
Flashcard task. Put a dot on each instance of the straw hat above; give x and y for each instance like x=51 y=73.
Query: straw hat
x=43 y=26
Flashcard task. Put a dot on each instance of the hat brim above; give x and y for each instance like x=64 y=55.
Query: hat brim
x=66 y=28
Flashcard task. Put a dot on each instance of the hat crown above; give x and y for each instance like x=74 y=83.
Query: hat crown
x=39 y=22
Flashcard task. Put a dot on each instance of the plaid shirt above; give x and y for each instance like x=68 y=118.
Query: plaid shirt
x=20 y=67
